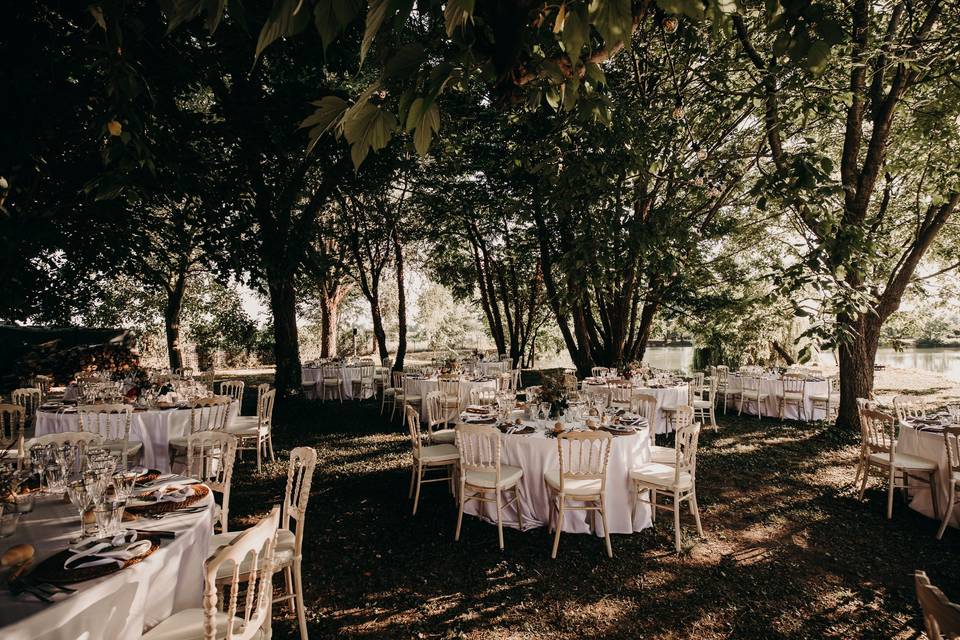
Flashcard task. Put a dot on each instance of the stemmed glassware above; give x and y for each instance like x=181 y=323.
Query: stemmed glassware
x=81 y=499
x=954 y=410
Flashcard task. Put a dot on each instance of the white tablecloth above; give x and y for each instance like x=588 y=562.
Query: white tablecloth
x=493 y=368
x=772 y=387
x=667 y=398
x=537 y=453
x=116 y=607
x=311 y=378
x=929 y=445
x=154 y=428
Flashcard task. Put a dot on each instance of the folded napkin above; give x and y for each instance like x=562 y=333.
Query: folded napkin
x=117 y=550
x=474 y=408
x=179 y=493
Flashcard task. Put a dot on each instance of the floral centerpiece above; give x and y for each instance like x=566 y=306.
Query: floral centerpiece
x=633 y=369
x=450 y=365
x=553 y=390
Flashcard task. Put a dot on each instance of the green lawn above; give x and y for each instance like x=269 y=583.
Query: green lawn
x=789 y=552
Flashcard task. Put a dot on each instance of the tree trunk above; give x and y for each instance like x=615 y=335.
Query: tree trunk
x=378 y=331
x=171 y=319
x=329 y=320
x=856 y=373
x=401 y=305
x=646 y=328
x=286 y=342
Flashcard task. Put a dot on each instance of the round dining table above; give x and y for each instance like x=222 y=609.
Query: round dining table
x=926 y=441
x=669 y=396
x=420 y=386
x=312 y=379
x=153 y=427
x=118 y=606
x=538 y=452
x=773 y=388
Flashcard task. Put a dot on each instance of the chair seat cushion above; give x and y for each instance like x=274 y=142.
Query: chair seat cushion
x=246 y=426
x=188 y=625
x=509 y=476
x=905 y=461
x=439 y=453
x=116 y=447
x=663 y=455
x=178 y=443
x=820 y=398
x=702 y=404
x=792 y=396
x=282 y=554
x=659 y=474
x=444 y=436
x=571 y=487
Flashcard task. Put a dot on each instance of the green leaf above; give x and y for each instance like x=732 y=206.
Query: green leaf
x=283 y=20
x=595 y=74
x=818 y=56
x=331 y=17
x=830 y=32
x=692 y=8
x=576 y=33
x=613 y=20
x=456 y=14
x=405 y=61
x=328 y=110
x=376 y=12
x=367 y=127
x=424 y=120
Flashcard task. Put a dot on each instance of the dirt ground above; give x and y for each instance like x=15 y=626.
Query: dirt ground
x=788 y=550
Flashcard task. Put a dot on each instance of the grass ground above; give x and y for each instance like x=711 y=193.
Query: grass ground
x=789 y=552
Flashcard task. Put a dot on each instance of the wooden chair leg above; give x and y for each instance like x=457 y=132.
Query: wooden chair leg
x=606 y=529
x=499 y=518
x=463 y=499
x=949 y=513
x=695 y=510
x=676 y=519
x=416 y=499
x=653 y=505
x=863 y=486
x=890 y=486
x=556 y=536
x=517 y=500
x=932 y=479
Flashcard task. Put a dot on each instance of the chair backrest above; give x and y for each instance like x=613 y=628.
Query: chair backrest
x=43 y=383
x=697 y=380
x=433 y=407
x=330 y=372
x=210 y=458
x=683 y=417
x=449 y=386
x=750 y=385
x=584 y=456
x=262 y=388
x=28 y=397
x=723 y=372
x=233 y=389
x=685 y=444
x=620 y=392
x=483 y=395
x=940 y=616
x=479 y=447
x=79 y=439
x=878 y=431
x=303 y=462
x=11 y=425
x=209 y=414
x=111 y=421
x=366 y=373
x=793 y=385
x=951 y=441
x=397 y=379
x=265 y=409
x=254 y=547
x=645 y=405
x=599 y=372
x=909 y=408
x=413 y=426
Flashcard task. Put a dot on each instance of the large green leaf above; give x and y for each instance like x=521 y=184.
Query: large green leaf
x=405 y=61
x=376 y=12
x=424 y=120
x=576 y=32
x=613 y=19
x=367 y=127
x=286 y=17
x=456 y=14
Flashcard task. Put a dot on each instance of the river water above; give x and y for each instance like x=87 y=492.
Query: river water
x=941 y=360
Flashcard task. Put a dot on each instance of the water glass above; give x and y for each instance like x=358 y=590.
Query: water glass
x=55 y=478
x=24 y=502
x=109 y=516
x=8 y=523
x=79 y=498
x=123 y=484
x=954 y=410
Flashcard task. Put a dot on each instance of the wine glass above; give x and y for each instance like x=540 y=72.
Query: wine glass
x=80 y=498
x=123 y=483
x=954 y=410
x=53 y=474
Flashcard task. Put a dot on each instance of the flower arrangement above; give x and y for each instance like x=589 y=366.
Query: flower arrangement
x=450 y=365
x=552 y=390
x=634 y=369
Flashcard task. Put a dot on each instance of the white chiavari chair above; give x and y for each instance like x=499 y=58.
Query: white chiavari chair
x=481 y=474
x=878 y=431
x=206 y=414
x=442 y=457
x=620 y=394
x=363 y=385
x=437 y=420
x=941 y=618
x=12 y=439
x=793 y=389
x=828 y=402
x=218 y=619
x=210 y=459
x=254 y=433
x=704 y=408
x=751 y=392
x=79 y=439
x=112 y=422
x=951 y=441
x=722 y=375
x=580 y=477
x=449 y=387
x=330 y=382
x=233 y=389
x=395 y=393
x=483 y=396
x=43 y=383
x=909 y=408
x=29 y=398
x=678 y=481
x=288 y=556
x=411 y=395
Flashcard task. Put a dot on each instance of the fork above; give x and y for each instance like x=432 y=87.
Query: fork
x=178 y=512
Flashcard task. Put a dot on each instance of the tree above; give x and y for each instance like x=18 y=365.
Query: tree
x=854 y=161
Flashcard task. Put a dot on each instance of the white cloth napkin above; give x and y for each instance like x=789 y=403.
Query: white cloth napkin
x=179 y=493
x=117 y=550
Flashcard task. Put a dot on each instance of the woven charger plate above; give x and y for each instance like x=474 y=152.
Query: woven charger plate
x=200 y=492
x=149 y=476
x=527 y=430
x=619 y=432
x=51 y=569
